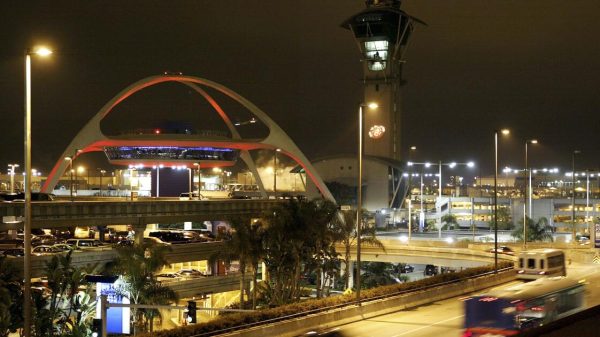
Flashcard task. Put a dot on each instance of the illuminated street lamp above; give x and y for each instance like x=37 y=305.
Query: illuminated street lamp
x=42 y=51
x=527 y=193
x=199 y=179
x=79 y=170
x=12 y=176
x=574 y=227
x=359 y=191
x=275 y=172
x=440 y=187
x=504 y=132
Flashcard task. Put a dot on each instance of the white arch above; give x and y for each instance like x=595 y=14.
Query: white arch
x=91 y=138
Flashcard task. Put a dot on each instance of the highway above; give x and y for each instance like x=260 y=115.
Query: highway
x=445 y=318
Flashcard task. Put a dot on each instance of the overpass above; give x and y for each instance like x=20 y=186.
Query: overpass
x=54 y=214
x=179 y=253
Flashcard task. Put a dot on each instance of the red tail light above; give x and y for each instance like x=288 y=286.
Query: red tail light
x=467 y=333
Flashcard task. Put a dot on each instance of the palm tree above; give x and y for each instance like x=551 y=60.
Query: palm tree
x=345 y=229
x=11 y=299
x=243 y=244
x=138 y=265
x=377 y=274
x=450 y=221
x=536 y=231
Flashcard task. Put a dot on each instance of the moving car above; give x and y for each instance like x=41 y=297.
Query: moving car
x=504 y=250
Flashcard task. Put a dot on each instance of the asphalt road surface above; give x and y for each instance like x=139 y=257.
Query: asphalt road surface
x=446 y=318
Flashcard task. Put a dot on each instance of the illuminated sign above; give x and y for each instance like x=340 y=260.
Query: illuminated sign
x=117 y=319
x=376 y=131
x=597 y=236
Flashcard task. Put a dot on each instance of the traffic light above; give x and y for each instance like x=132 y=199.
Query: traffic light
x=191 y=311
x=97 y=327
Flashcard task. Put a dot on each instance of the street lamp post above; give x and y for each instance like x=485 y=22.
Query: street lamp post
x=70 y=159
x=440 y=164
x=79 y=170
x=27 y=190
x=102 y=172
x=359 y=193
x=275 y=173
x=504 y=132
x=199 y=180
x=527 y=192
x=12 y=177
x=573 y=225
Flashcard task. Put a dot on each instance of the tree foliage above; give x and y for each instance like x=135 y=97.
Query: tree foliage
x=299 y=239
x=504 y=219
x=11 y=297
x=243 y=243
x=138 y=265
x=536 y=231
x=450 y=221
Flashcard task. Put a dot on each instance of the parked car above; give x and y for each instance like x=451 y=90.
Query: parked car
x=20 y=197
x=191 y=273
x=195 y=196
x=168 y=276
x=62 y=234
x=173 y=237
x=155 y=241
x=430 y=270
x=503 y=250
x=84 y=243
x=408 y=268
x=46 y=239
x=63 y=247
x=43 y=250
x=14 y=252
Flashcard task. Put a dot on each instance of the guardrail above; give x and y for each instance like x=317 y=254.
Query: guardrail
x=390 y=304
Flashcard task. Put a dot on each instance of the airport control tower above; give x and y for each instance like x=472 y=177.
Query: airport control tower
x=382 y=31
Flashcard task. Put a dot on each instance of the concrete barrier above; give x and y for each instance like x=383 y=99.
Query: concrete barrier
x=373 y=308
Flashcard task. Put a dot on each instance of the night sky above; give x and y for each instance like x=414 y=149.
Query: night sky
x=530 y=65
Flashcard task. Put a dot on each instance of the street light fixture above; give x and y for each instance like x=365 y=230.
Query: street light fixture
x=504 y=132
x=199 y=180
x=12 y=177
x=275 y=173
x=359 y=192
x=573 y=225
x=41 y=51
x=440 y=187
x=528 y=193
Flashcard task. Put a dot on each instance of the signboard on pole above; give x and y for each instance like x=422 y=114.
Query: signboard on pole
x=117 y=319
x=596 y=235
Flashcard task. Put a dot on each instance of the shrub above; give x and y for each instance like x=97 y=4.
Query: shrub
x=238 y=319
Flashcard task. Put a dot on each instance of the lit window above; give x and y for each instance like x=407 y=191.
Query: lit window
x=376 y=53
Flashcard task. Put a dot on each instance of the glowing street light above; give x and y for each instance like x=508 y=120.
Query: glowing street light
x=504 y=132
x=361 y=117
x=40 y=51
x=12 y=176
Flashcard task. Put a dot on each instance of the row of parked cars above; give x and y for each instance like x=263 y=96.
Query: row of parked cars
x=20 y=197
x=69 y=245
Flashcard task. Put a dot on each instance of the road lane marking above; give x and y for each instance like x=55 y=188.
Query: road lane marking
x=428 y=326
